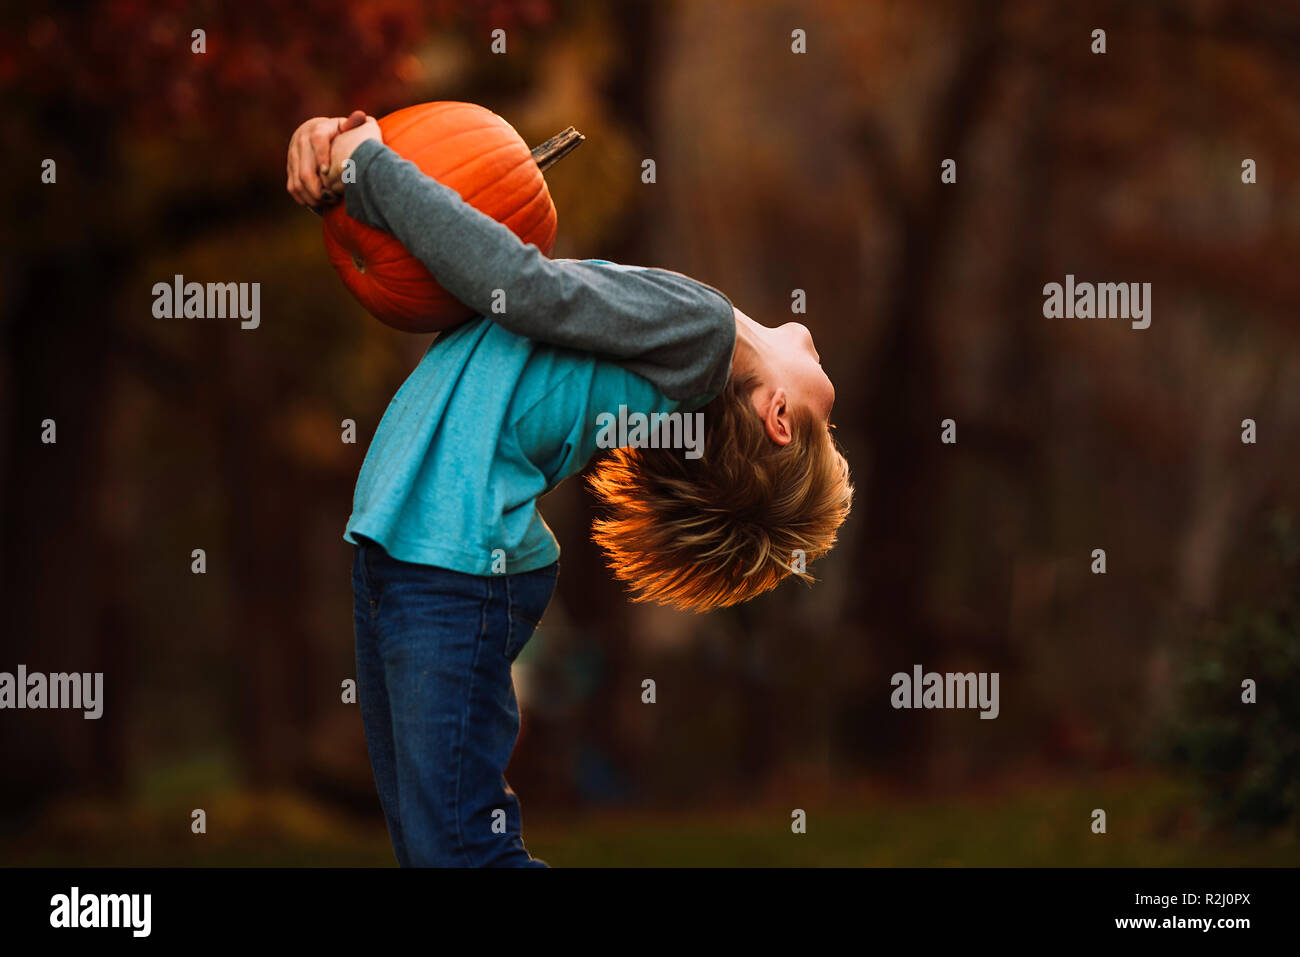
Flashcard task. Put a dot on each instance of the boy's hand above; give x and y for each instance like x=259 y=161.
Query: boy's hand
x=341 y=150
x=309 y=156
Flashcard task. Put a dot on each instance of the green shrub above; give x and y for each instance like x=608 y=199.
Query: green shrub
x=1247 y=756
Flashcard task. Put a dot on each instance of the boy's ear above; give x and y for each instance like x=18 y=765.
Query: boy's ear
x=776 y=417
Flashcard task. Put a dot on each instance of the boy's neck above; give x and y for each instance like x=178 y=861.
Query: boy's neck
x=750 y=346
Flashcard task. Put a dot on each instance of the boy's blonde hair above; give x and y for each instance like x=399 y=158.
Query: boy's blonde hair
x=720 y=529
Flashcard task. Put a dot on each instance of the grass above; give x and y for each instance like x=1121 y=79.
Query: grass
x=1148 y=824
x=1151 y=821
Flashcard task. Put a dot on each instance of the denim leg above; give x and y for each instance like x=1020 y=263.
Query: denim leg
x=431 y=644
x=490 y=811
x=372 y=695
x=447 y=641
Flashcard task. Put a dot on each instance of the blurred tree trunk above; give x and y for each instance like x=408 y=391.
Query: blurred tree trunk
x=265 y=531
x=603 y=612
x=905 y=403
x=57 y=567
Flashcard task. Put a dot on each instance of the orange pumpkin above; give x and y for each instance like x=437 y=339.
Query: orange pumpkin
x=476 y=153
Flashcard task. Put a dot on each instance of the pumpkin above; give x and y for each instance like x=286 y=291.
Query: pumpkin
x=475 y=152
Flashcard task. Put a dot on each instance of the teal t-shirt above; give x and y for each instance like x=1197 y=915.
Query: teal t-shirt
x=487 y=423
x=500 y=411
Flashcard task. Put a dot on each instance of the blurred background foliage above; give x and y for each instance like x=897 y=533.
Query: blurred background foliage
x=1248 y=759
x=775 y=172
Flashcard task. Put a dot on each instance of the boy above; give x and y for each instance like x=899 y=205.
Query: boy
x=454 y=565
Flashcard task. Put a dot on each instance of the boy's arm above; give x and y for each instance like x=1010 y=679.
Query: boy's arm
x=669 y=328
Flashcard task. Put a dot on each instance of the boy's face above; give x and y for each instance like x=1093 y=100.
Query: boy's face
x=798 y=366
x=791 y=382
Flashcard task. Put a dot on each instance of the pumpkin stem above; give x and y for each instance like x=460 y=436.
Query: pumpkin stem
x=556 y=148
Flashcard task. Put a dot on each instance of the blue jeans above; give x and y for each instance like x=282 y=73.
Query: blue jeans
x=434 y=650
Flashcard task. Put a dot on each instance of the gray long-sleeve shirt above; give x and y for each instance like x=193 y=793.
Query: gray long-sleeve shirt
x=676 y=332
